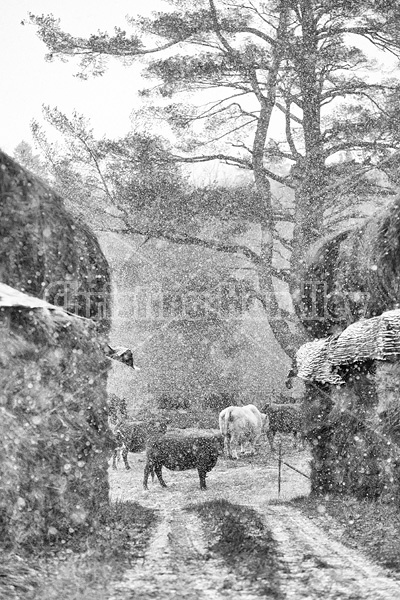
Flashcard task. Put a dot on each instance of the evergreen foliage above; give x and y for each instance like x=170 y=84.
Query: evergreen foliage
x=244 y=67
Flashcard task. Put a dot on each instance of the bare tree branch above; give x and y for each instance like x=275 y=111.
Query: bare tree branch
x=372 y=145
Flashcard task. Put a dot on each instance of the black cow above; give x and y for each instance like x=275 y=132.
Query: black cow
x=180 y=452
x=285 y=418
x=133 y=436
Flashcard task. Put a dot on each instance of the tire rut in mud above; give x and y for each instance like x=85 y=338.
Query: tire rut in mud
x=178 y=565
x=315 y=566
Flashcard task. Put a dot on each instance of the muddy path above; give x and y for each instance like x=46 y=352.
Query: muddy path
x=179 y=563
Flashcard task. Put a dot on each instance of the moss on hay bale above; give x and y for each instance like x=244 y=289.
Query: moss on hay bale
x=353 y=275
x=54 y=434
x=43 y=250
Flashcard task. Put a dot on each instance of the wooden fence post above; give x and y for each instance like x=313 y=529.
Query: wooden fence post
x=279 y=468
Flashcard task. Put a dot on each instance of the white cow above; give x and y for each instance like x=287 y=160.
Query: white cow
x=241 y=424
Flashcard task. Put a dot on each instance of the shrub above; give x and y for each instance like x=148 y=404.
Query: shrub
x=218 y=401
x=169 y=402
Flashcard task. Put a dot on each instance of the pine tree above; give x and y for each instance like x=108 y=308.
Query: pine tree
x=303 y=64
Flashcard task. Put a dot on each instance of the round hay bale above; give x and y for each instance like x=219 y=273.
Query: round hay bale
x=44 y=251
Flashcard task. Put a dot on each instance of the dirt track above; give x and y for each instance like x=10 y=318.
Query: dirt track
x=179 y=564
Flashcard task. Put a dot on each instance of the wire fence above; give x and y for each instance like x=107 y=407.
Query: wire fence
x=283 y=462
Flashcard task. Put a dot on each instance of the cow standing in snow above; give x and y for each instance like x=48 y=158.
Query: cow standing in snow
x=132 y=436
x=283 y=418
x=183 y=450
x=241 y=424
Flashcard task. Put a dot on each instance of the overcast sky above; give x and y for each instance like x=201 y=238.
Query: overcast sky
x=28 y=81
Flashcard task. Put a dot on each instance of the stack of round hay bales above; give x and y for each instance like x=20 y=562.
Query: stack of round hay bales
x=53 y=370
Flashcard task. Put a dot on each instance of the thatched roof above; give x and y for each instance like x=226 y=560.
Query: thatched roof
x=377 y=338
x=354 y=275
x=44 y=251
x=313 y=363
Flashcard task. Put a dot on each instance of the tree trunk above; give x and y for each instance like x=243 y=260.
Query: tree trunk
x=310 y=172
x=286 y=328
